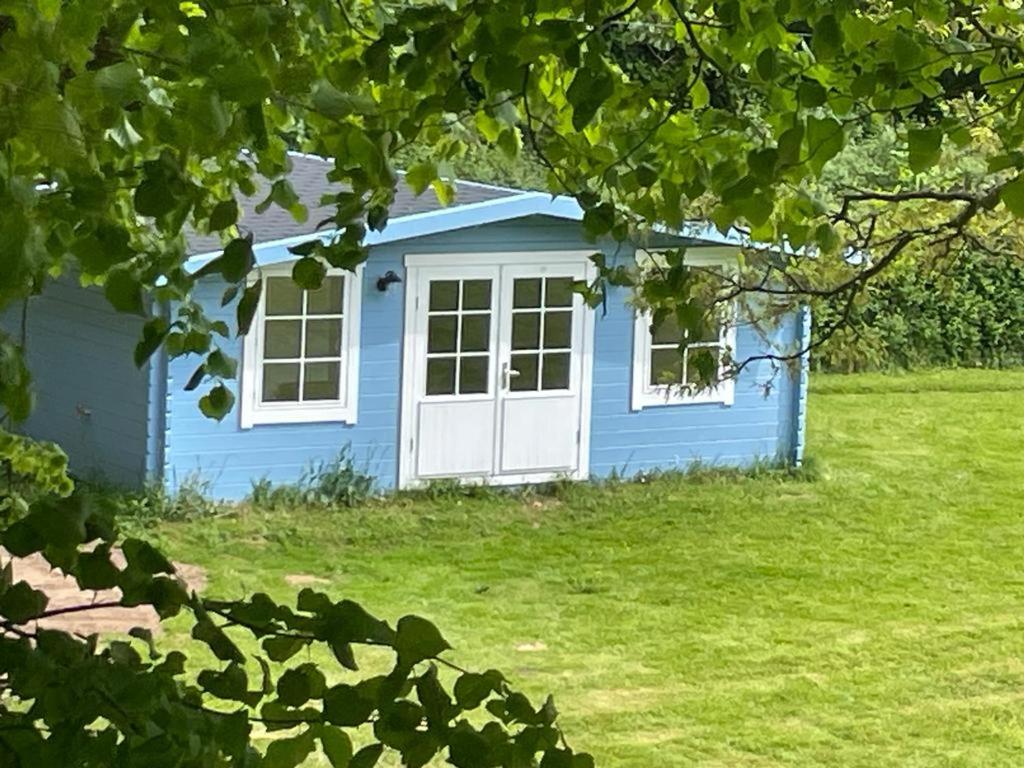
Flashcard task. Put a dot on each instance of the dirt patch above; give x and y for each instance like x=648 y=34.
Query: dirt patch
x=64 y=593
x=540 y=645
x=304 y=579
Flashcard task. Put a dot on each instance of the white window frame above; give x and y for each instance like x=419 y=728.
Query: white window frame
x=252 y=411
x=647 y=395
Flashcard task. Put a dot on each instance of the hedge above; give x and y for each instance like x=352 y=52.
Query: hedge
x=967 y=311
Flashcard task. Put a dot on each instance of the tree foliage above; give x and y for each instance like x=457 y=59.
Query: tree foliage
x=123 y=124
x=966 y=310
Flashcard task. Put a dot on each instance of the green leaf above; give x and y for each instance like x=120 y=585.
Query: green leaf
x=790 y=142
x=490 y=127
x=367 y=757
x=589 y=89
x=223 y=648
x=700 y=97
x=825 y=139
x=21 y=539
x=236 y=261
x=767 y=64
x=145 y=557
x=344 y=655
x=153 y=334
x=119 y=82
x=284 y=196
x=95 y=570
x=153 y=197
x=599 y=220
x=346 y=705
x=337 y=746
x=472 y=688
x=925 y=148
x=281 y=648
x=146 y=636
x=289 y=752
x=827 y=38
x=337 y=104
x=217 y=403
x=444 y=190
x=210 y=115
x=811 y=94
x=309 y=272
x=417 y=640
x=166 y=595
x=468 y=749
x=1012 y=196
x=231 y=684
x=219 y=364
x=420 y=176
x=223 y=215
x=247 y=306
x=124 y=292
x=196 y=378
x=100 y=250
x=297 y=686
x=21 y=603
x=557 y=758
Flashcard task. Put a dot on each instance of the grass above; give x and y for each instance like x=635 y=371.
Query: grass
x=872 y=617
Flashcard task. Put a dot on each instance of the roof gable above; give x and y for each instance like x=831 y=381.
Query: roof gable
x=411 y=216
x=309 y=179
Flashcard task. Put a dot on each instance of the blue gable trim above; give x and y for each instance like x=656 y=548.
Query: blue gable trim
x=461 y=217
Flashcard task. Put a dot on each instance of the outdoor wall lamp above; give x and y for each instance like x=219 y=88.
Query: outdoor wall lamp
x=387 y=279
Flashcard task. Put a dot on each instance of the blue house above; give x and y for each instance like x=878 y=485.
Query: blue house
x=458 y=350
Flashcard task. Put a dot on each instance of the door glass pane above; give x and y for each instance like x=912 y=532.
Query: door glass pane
x=444 y=295
x=327 y=299
x=526 y=292
x=441 y=332
x=282 y=339
x=526 y=330
x=557 y=330
x=284 y=297
x=280 y=382
x=527 y=366
x=476 y=332
x=558 y=292
x=323 y=338
x=476 y=294
x=441 y=376
x=473 y=375
x=556 y=371
x=321 y=381
x=666 y=367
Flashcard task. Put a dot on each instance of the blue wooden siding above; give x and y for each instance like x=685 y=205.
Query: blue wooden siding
x=230 y=458
x=92 y=400
x=758 y=426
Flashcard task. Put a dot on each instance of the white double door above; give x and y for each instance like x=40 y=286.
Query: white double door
x=496 y=371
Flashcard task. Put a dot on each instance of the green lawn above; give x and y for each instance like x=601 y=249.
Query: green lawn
x=871 y=617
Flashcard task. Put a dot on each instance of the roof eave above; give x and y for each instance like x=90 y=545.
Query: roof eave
x=462 y=217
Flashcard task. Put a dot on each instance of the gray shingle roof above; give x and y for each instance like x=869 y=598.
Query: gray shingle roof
x=309 y=179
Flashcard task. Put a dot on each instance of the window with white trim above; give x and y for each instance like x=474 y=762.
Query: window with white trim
x=664 y=374
x=302 y=353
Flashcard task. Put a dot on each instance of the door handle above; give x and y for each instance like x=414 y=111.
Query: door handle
x=507 y=374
